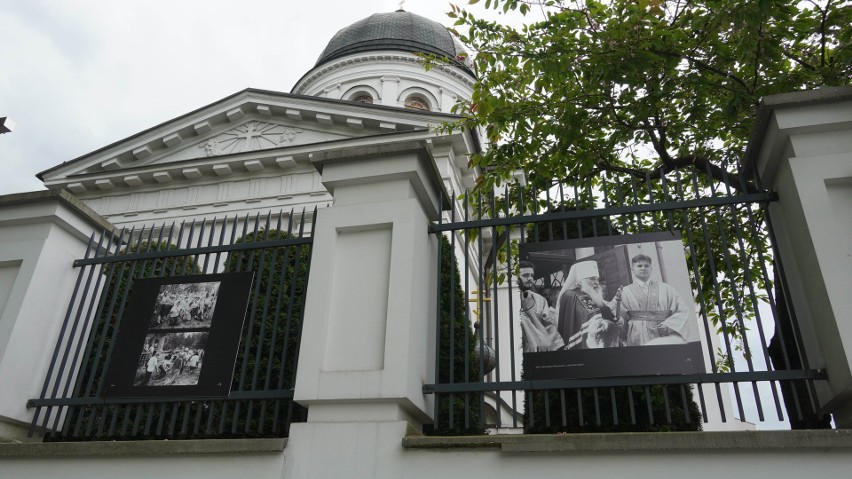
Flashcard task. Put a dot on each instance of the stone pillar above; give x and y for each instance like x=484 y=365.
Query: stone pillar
x=802 y=148
x=390 y=90
x=369 y=327
x=41 y=234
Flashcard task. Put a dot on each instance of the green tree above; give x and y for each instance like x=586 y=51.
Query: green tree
x=458 y=362
x=269 y=345
x=641 y=87
x=624 y=92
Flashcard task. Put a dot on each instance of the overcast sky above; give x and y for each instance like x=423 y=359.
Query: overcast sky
x=76 y=75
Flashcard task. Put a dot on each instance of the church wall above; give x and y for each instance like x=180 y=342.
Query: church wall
x=390 y=75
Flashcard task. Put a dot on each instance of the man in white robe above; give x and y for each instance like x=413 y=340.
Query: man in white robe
x=675 y=325
x=537 y=317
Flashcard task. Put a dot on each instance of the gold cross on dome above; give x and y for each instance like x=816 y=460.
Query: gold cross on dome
x=401 y=4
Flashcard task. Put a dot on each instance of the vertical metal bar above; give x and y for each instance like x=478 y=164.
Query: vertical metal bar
x=580 y=417
x=99 y=312
x=597 y=406
x=762 y=261
x=793 y=320
x=687 y=226
x=685 y=404
x=495 y=304
x=125 y=423
x=277 y=315
x=639 y=223
x=247 y=338
x=614 y=403
x=437 y=405
x=106 y=363
x=174 y=416
x=300 y=321
x=562 y=207
x=648 y=405
x=651 y=201
x=161 y=418
x=632 y=405
x=262 y=319
x=184 y=427
x=713 y=274
x=64 y=336
x=209 y=244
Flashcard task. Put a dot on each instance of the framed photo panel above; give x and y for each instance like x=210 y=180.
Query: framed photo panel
x=179 y=336
x=608 y=306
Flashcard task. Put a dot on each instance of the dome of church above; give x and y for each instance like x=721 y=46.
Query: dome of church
x=374 y=60
x=399 y=30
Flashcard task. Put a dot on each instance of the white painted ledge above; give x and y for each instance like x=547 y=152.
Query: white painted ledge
x=815 y=440
x=144 y=448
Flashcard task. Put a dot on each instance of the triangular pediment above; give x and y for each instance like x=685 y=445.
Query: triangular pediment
x=250 y=131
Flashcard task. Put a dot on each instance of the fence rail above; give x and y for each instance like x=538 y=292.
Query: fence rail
x=756 y=369
x=276 y=247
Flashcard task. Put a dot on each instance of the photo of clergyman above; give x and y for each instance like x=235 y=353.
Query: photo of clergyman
x=171 y=359
x=185 y=306
x=618 y=292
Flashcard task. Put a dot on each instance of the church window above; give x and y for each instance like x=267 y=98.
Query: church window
x=416 y=102
x=363 y=98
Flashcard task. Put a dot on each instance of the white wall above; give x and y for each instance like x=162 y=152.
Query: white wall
x=40 y=237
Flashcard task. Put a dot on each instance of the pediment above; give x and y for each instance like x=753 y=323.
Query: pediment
x=252 y=134
x=249 y=131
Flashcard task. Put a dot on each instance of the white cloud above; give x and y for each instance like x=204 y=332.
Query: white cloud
x=79 y=75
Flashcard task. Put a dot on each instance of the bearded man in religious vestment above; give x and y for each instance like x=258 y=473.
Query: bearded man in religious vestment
x=654 y=311
x=585 y=320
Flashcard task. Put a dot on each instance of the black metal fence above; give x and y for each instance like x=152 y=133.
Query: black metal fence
x=756 y=368
x=277 y=247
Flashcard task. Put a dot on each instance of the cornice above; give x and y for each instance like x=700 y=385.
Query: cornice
x=232 y=112
x=251 y=164
x=314 y=75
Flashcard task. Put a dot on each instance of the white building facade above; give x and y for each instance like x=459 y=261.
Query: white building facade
x=356 y=153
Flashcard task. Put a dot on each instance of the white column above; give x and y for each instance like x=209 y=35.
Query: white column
x=41 y=234
x=804 y=152
x=390 y=90
x=369 y=328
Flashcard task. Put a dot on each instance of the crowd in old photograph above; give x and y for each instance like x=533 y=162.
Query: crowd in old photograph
x=158 y=366
x=185 y=306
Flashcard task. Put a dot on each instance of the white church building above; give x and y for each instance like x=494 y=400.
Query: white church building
x=354 y=162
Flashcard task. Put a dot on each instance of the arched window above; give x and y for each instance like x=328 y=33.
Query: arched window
x=416 y=102
x=363 y=98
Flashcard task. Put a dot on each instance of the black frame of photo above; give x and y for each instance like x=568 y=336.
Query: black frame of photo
x=221 y=348
x=673 y=359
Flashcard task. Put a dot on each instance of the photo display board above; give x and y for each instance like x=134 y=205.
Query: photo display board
x=608 y=306
x=179 y=337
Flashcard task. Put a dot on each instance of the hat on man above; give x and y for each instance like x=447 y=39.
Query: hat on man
x=580 y=271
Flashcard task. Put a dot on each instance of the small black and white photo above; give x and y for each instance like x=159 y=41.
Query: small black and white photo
x=185 y=306
x=171 y=359
x=167 y=329
x=596 y=306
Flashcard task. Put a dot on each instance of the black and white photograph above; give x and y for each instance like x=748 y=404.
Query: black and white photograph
x=607 y=306
x=171 y=359
x=185 y=306
x=176 y=339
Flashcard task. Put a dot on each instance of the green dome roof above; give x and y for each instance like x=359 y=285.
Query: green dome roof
x=399 y=30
